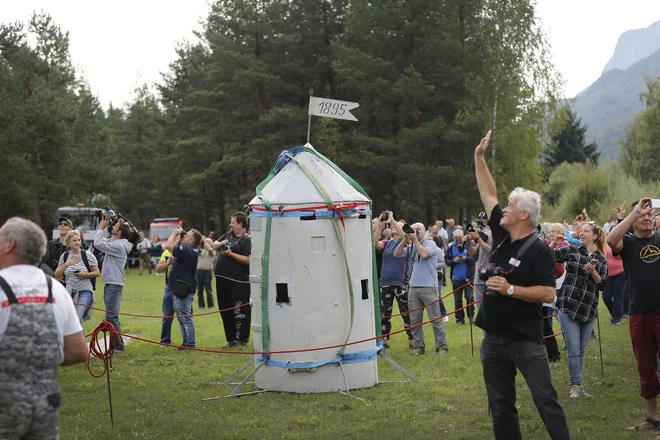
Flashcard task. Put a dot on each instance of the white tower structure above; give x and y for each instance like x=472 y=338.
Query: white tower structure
x=312 y=278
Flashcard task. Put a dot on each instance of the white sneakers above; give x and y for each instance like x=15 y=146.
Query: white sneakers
x=445 y=319
x=577 y=391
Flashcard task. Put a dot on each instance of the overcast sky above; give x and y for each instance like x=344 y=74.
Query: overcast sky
x=120 y=44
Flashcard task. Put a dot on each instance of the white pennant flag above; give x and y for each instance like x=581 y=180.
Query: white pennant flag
x=331 y=108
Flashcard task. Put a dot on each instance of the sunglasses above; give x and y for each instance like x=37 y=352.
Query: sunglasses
x=65 y=224
x=593 y=223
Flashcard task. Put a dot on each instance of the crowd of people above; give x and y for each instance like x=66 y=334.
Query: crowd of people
x=520 y=273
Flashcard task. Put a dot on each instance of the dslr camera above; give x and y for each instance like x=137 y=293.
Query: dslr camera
x=491 y=270
x=113 y=217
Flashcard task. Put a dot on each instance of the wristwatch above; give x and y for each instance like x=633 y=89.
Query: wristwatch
x=509 y=291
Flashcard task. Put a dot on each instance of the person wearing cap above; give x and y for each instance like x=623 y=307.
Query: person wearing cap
x=56 y=247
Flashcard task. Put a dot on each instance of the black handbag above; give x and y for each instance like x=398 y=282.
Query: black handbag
x=181 y=289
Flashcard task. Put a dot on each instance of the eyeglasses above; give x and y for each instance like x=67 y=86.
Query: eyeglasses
x=65 y=224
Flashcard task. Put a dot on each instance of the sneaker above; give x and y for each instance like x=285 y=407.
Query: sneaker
x=118 y=351
x=441 y=351
x=163 y=346
x=583 y=392
x=229 y=345
x=418 y=351
x=576 y=391
x=140 y=273
x=616 y=323
x=445 y=319
x=201 y=308
x=460 y=322
x=624 y=317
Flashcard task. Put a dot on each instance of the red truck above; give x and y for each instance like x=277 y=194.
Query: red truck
x=163 y=227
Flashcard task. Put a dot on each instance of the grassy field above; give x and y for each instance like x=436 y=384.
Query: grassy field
x=157 y=393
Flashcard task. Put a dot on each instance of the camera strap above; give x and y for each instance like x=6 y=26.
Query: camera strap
x=526 y=245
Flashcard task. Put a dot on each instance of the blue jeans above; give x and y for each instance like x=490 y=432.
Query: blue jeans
x=183 y=306
x=112 y=299
x=204 y=278
x=613 y=296
x=443 y=309
x=479 y=291
x=577 y=335
x=85 y=298
x=168 y=310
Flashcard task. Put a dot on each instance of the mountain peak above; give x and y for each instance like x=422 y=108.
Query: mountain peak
x=633 y=46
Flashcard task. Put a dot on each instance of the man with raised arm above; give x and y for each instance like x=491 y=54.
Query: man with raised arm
x=641 y=261
x=520 y=278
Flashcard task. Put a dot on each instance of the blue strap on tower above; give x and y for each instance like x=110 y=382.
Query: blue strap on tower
x=344 y=358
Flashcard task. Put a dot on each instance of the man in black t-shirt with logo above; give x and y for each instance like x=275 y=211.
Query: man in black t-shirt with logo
x=641 y=260
x=512 y=305
x=232 y=275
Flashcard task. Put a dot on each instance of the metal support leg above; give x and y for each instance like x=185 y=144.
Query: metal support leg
x=240 y=370
x=395 y=365
x=248 y=377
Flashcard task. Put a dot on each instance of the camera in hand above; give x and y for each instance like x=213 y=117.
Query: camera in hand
x=469 y=227
x=490 y=270
x=113 y=217
x=223 y=247
x=408 y=229
x=384 y=216
x=182 y=235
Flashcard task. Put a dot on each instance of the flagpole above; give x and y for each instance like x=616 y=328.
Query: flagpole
x=309 y=118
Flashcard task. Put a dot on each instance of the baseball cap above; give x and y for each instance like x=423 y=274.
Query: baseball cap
x=64 y=219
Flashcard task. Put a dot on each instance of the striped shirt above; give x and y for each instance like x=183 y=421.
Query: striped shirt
x=74 y=283
x=578 y=296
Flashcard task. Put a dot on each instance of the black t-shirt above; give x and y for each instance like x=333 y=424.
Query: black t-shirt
x=54 y=251
x=509 y=317
x=641 y=261
x=184 y=266
x=228 y=267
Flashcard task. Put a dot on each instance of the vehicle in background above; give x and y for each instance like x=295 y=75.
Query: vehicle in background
x=163 y=227
x=84 y=219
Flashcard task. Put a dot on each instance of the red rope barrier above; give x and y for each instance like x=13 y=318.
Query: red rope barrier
x=432 y=302
x=95 y=348
x=552 y=336
x=303 y=350
x=161 y=317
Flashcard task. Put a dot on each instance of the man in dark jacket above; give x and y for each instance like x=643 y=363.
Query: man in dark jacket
x=56 y=247
x=462 y=270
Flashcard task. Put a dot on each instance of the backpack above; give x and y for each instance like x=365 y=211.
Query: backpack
x=83 y=255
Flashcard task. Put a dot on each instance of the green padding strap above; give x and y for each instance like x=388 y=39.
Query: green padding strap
x=265 y=264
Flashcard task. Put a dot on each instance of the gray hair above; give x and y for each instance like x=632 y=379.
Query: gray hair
x=528 y=201
x=458 y=233
x=30 y=239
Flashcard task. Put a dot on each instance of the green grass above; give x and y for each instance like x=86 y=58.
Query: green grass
x=157 y=394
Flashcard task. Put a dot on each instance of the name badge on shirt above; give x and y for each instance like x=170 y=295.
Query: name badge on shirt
x=513 y=262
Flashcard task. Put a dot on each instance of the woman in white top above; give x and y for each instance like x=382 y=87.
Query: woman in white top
x=77 y=277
